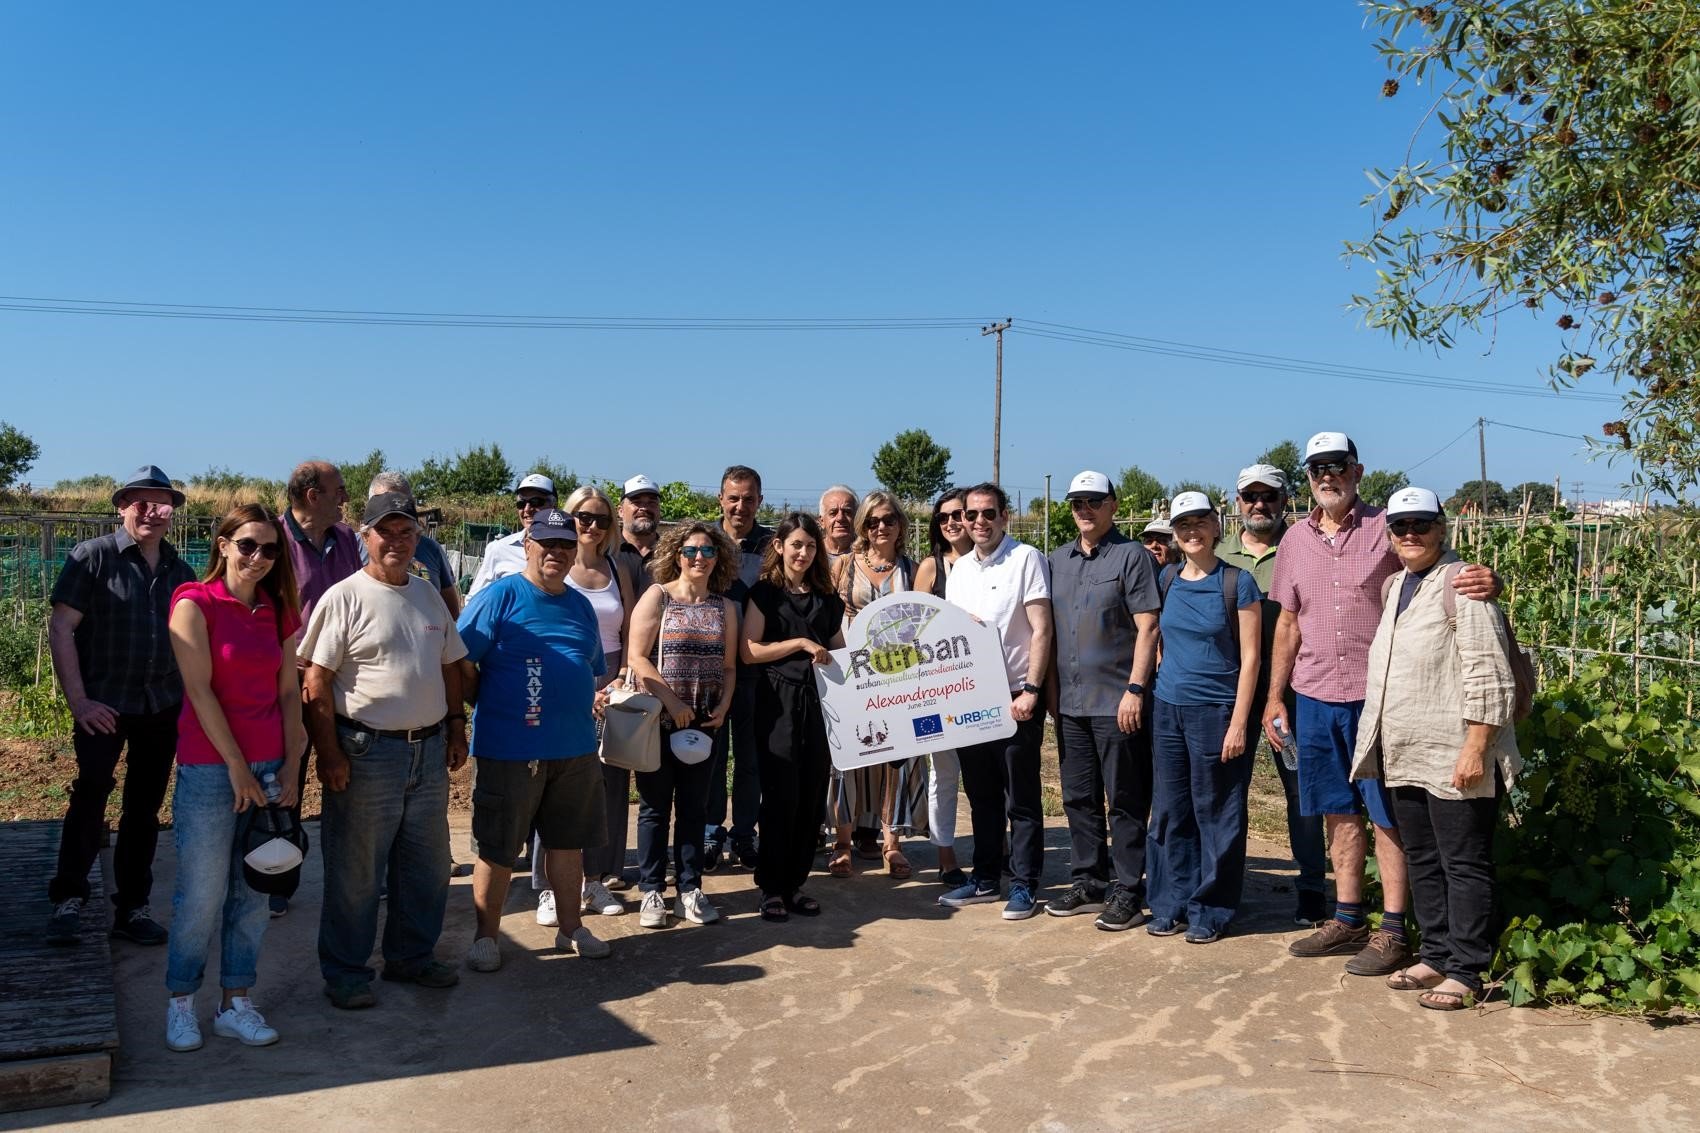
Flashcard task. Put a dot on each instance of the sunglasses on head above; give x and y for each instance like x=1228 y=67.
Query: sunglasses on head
x=882 y=521
x=1412 y=526
x=1089 y=501
x=247 y=548
x=1268 y=496
x=986 y=513
x=1327 y=468
x=590 y=519
x=532 y=502
x=705 y=552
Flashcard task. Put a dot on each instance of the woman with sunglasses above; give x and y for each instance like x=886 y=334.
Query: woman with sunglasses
x=947 y=541
x=791 y=619
x=240 y=733
x=891 y=797
x=1437 y=731
x=684 y=650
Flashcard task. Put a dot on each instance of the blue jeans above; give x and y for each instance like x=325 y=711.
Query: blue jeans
x=392 y=819
x=735 y=743
x=1198 y=815
x=211 y=891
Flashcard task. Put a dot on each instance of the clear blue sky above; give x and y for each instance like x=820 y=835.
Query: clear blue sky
x=1185 y=173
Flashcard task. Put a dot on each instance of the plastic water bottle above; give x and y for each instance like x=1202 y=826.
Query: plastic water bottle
x=272 y=788
x=1289 y=748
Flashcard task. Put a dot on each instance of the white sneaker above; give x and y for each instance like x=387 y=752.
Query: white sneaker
x=693 y=905
x=546 y=908
x=583 y=942
x=241 y=1021
x=596 y=898
x=484 y=956
x=182 y=1029
x=653 y=912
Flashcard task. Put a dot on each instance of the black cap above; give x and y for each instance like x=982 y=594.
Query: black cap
x=385 y=504
x=552 y=523
x=149 y=476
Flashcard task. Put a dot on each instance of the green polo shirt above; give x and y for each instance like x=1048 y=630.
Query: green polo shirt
x=1262 y=567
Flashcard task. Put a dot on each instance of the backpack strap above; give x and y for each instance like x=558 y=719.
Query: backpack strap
x=1449 y=596
x=1387 y=588
x=1165 y=579
x=1231 y=602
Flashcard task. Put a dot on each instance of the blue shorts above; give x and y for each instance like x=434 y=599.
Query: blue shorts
x=1326 y=733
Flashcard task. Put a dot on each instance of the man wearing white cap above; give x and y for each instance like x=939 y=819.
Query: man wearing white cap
x=1158 y=538
x=1104 y=606
x=1328 y=583
x=506 y=555
x=640 y=531
x=1262 y=497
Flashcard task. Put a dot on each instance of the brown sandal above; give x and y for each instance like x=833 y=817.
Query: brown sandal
x=840 y=865
x=1447 y=1000
x=1403 y=980
x=897 y=864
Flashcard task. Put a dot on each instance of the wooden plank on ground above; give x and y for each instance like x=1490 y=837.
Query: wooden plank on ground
x=32 y=1083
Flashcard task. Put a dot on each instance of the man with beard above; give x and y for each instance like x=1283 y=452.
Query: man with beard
x=1262 y=497
x=640 y=531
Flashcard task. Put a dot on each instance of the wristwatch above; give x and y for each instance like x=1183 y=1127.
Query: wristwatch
x=1032 y=688
x=1136 y=689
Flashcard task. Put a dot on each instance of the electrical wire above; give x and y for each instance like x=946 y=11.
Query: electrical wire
x=1410 y=468
x=1543 y=432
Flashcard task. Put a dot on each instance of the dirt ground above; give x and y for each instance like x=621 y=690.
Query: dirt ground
x=887 y=1011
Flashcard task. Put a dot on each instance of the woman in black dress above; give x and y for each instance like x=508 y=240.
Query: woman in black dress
x=792 y=617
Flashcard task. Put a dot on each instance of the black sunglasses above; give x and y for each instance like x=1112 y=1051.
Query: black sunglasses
x=247 y=547
x=987 y=513
x=589 y=519
x=708 y=551
x=954 y=516
x=883 y=521
x=1089 y=501
x=533 y=502
x=1412 y=526
x=1264 y=497
x=1327 y=468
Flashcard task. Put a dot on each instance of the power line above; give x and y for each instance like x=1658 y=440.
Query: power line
x=1543 y=432
x=1413 y=467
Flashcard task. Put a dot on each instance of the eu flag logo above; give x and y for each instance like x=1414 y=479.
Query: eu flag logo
x=928 y=725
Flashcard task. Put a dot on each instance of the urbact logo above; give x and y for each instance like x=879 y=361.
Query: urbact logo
x=927 y=725
x=982 y=716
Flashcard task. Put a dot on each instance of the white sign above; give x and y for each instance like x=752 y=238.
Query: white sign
x=918 y=674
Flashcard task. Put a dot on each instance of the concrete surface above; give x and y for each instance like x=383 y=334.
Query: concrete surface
x=886 y=1012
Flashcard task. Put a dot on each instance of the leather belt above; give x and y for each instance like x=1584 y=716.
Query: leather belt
x=411 y=735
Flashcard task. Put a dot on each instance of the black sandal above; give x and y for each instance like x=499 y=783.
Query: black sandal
x=803 y=905
x=774 y=909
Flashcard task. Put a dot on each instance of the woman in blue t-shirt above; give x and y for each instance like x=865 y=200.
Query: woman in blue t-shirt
x=1201 y=745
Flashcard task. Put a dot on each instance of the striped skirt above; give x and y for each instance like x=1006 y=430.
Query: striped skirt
x=882 y=796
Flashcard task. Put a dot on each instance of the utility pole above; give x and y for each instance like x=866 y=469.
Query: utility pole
x=1481 y=449
x=1047 y=513
x=997 y=398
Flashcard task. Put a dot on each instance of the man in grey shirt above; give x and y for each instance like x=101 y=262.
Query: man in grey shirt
x=1105 y=602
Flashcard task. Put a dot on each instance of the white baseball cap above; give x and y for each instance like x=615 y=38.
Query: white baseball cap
x=1261 y=474
x=690 y=745
x=276 y=855
x=638 y=485
x=1090 y=484
x=1415 y=503
x=1158 y=526
x=1330 y=446
x=537 y=482
x=1188 y=504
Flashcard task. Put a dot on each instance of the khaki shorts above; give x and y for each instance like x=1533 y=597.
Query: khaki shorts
x=560 y=798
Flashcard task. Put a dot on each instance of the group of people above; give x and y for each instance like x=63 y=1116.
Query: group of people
x=1375 y=663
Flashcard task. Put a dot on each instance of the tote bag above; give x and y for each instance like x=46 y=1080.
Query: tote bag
x=631 y=728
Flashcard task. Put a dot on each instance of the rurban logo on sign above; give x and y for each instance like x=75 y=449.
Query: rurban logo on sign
x=890 y=659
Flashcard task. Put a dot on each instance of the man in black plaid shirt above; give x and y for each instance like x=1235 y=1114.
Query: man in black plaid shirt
x=112 y=652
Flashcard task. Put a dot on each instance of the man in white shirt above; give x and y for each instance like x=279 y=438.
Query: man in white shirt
x=1007 y=585
x=506 y=555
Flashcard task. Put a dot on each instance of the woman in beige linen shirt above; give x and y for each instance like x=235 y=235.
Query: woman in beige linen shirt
x=1437 y=730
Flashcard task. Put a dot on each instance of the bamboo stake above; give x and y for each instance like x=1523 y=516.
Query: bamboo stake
x=1693 y=584
x=1636 y=647
x=1576 y=614
x=1594 y=567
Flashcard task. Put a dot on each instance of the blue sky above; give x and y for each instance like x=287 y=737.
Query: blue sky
x=1183 y=173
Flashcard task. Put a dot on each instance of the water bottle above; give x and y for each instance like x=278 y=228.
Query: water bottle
x=1289 y=748
x=272 y=788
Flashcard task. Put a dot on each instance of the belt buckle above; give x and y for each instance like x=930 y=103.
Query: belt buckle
x=414 y=736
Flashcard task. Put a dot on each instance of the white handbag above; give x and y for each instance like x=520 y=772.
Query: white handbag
x=631 y=727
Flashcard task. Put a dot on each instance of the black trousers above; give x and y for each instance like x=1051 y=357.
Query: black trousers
x=1102 y=764
x=1001 y=779
x=795 y=765
x=1449 y=851
x=152 y=742
x=609 y=859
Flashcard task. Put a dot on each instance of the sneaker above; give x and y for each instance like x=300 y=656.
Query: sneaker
x=1078 y=899
x=1312 y=910
x=693 y=905
x=242 y=1022
x=433 y=973
x=65 y=926
x=1382 y=956
x=546 y=915
x=953 y=878
x=460 y=869
x=1165 y=926
x=1198 y=934
x=971 y=892
x=744 y=854
x=711 y=853
x=484 y=956
x=279 y=905
x=584 y=943
x=1334 y=938
x=1020 y=905
x=653 y=912
x=615 y=883
x=139 y=926
x=182 y=1029
x=1121 y=912
x=350 y=994
x=597 y=899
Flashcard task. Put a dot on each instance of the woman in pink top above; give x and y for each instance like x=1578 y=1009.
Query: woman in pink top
x=240 y=732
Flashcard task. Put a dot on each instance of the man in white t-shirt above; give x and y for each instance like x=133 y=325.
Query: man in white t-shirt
x=388 y=722
x=1007 y=585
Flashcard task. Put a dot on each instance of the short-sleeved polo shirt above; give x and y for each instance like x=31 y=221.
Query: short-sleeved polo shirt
x=1093 y=600
x=502 y=557
x=1333 y=585
x=317 y=569
x=1232 y=549
x=996 y=590
x=245 y=647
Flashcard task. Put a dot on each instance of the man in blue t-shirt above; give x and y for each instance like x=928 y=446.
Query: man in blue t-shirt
x=533 y=656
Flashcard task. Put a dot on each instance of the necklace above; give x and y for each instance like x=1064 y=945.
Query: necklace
x=885 y=568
